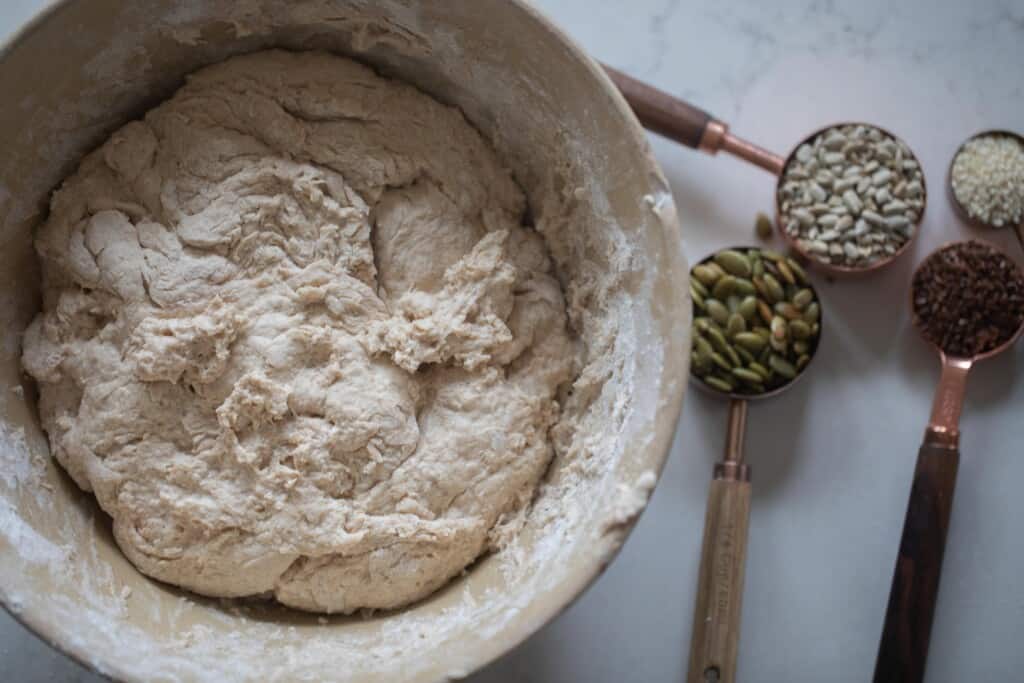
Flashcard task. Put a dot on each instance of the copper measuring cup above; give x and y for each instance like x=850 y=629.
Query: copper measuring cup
x=959 y=208
x=677 y=120
x=903 y=650
x=714 y=643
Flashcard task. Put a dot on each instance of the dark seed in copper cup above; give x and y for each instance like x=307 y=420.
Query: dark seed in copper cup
x=968 y=298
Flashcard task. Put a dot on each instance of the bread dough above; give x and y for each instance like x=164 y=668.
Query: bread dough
x=296 y=338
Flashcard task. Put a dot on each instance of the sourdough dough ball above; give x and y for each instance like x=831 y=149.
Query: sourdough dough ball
x=295 y=338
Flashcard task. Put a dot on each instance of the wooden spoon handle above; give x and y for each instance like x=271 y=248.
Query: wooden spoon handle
x=915 y=582
x=660 y=112
x=716 y=618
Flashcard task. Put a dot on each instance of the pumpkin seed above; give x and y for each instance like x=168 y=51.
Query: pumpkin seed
x=733 y=262
x=773 y=289
x=719 y=360
x=724 y=287
x=801 y=347
x=750 y=341
x=702 y=347
x=698 y=298
x=735 y=325
x=782 y=366
x=812 y=313
x=717 y=310
x=765 y=311
x=787 y=310
x=733 y=303
x=747 y=375
x=802 y=362
x=748 y=307
x=761 y=370
x=799 y=329
x=717 y=339
x=763 y=226
x=746 y=356
x=786 y=273
x=719 y=384
x=802 y=298
x=744 y=287
x=695 y=283
x=706 y=275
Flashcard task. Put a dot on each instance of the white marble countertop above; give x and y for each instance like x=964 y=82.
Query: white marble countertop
x=833 y=458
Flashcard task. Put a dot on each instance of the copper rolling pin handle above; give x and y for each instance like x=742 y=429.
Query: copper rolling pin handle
x=903 y=650
x=660 y=112
x=677 y=120
x=716 y=618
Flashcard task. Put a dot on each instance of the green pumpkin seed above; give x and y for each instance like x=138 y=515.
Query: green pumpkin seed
x=802 y=362
x=734 y=358
x=705 y=275
x=717 y=339
x=773 y=290
x=765 y=311
x=746 y=356
x=698 y=299
x=782 y=366
x=748 y=307
x=700 y=324
x=698 y=285
x=735 y=325
x=698 y=364
x=802 y=298
x=785 y=272
x=717 y=310
x=744 y=287
x=733 y=302
x=733 y=262
x=719 y=360
x=812 y=313
x=724 y=287
x=787 y=310
x=761 y=370
x=797 y=270
x=747 y=375
x=771 y=255
x=815 y=329
x=702 y=347
x=763 y=226
x=719 y=384
x=799 y=329
x=750 y=341
x=756 y=267
x=801 y=347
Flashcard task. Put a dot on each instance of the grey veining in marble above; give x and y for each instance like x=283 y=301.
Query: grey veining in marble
x=833 y=458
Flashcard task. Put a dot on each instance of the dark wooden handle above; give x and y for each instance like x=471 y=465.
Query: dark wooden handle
x=915 y=582
x=716 y=615
x=660 y=112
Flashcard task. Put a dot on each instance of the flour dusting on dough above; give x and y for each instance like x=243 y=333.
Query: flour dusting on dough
x=296 y=338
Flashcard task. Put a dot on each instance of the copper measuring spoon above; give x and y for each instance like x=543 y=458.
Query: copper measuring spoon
x=677 y=120
x=959 y=208
x=903 y=649
x=714 y=643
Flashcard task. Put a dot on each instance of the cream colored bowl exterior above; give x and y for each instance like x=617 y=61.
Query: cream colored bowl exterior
x=83 y=68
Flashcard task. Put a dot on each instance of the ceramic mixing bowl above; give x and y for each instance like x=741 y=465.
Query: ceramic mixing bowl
x=85 y=67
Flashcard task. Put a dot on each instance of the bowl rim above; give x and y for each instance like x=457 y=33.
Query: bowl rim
x=653 y=457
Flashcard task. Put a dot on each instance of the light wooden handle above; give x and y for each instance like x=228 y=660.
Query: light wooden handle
x=716 y=619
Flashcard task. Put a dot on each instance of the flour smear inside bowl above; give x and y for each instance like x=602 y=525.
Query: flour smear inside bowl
x=297 y=338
